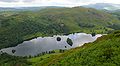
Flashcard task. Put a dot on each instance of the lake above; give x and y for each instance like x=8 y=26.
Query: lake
x=43 y=44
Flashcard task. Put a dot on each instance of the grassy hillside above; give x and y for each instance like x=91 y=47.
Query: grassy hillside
x=15 y=27
x=116 y=13
x=8 y=60
x=103 y=52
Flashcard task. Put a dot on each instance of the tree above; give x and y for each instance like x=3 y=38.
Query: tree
x=93 y=34
x=65 y=46
x=53 y=51
x=69 y=41
x=1 y=52
x=58 y=39
x=13 y=51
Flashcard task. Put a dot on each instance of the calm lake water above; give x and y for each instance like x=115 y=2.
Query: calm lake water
x=39 y=45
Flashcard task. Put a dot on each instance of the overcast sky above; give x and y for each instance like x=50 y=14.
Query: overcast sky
x=66 y=3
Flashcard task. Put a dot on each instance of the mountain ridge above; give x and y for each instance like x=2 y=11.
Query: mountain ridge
x=102 y=6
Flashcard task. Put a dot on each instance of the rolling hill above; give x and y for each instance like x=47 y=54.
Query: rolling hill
x=17 y=27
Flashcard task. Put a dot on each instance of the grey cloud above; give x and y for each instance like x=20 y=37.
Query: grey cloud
x=8 y=0
x=87 y=1
x=16 y=0
x=28 y=0
x=74 y=1
x=79 y=0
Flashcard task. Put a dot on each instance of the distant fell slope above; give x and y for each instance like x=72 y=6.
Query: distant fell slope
x=17 y=27
x=106 y=6
x=26 y=8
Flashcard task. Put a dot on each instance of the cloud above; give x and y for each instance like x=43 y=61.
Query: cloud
x=9 y=0
x=27 y=0
x=67 y=3
x=16 y=0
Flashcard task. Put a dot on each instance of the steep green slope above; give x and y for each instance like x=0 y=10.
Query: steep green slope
x=103 y=52
x=116 y=13
x=16 y=27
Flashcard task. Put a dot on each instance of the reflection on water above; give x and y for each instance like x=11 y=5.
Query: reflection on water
x=39 y=45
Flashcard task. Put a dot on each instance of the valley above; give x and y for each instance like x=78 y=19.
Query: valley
x=59 y=36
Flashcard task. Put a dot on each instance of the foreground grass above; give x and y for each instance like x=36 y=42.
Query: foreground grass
x=43 y=60
x=103 y=52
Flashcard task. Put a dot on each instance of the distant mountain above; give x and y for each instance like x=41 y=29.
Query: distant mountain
x=25 y=8
x=20 y=9
x=106 y=6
